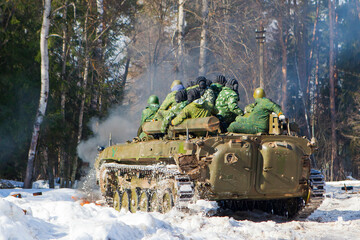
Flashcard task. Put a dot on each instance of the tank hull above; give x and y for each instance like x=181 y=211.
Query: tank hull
x=229 y=167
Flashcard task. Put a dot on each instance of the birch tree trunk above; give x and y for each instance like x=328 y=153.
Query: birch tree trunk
x=203 y=40
x=43 y=94
x=181 y=33
x=332 y=90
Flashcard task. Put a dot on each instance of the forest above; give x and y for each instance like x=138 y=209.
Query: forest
x=107 y=57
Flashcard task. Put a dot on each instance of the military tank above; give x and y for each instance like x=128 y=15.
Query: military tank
x=194 y=160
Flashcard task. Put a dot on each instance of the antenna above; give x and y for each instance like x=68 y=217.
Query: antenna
x=187 y=133
x=260 y=38
x=110 y=140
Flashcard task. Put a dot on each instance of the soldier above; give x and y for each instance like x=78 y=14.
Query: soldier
x=148 y=113
x=226 y=104
x=218 y=84
x=196 y=109
x=257 y=121
x=169 y=100
x=206 y=93
x=181 y=102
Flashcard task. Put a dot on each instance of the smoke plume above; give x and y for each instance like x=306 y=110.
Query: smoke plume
x=120 y=124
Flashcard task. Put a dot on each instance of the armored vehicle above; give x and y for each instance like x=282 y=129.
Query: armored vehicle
x=194 y=160
x=317 y=183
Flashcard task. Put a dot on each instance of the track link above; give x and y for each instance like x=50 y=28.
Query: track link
x=315 y=202
x=182 y=192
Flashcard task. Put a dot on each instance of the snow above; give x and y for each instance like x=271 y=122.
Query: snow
x=55 y=215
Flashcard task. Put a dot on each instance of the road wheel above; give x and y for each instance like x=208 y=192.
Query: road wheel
x=134 y=199
x=125 y=200
x=154 y=202
x=167 y=201
x=144 y=204
x=117 y=201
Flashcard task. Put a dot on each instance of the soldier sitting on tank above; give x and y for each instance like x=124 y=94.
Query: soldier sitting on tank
x=218 y=85
x=181 y=99
x=226 y=104
x=148 y=113
x=169 y=100
x=257 y=120
x=197 y=108
x=206 y=93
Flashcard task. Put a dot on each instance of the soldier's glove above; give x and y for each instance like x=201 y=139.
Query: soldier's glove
x=281 y=117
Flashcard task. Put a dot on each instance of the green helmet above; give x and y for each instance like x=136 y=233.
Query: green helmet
x=153 y=99
x=175 y=82
x=259 y=93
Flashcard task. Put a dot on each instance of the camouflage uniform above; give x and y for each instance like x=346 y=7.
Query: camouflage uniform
x=196 y=109
x=149 y=112
x=191 y=87
x=169 y=101
x=209 y=96
x=147 y=115
x=249 y=108
x=216 y=87
x=165 y=106
x=172 y=114
x=257 y=120
x=226 y=104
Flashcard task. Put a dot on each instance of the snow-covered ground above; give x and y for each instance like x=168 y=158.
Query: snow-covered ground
x=55 y=215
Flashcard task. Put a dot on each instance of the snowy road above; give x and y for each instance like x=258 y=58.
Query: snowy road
x=54 y=215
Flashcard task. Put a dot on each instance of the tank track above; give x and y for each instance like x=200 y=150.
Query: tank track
x=315 y=202
x=292 y=208
x=183 y=193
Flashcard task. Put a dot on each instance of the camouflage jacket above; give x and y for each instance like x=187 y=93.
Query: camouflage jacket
x=216 y=87
x=195 y=110
x=209 y=96
x=249 y=108
x=172 y=113
x=148 y=113
x=169 y=101
x=258 y=118
x=226 y=104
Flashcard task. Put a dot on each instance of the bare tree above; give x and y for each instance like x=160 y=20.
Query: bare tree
x=283 y=44
x=63 y=160
x=83 y=96
x=181 y=35
x=43 y=94
x=332 y=90
x=203 y=39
